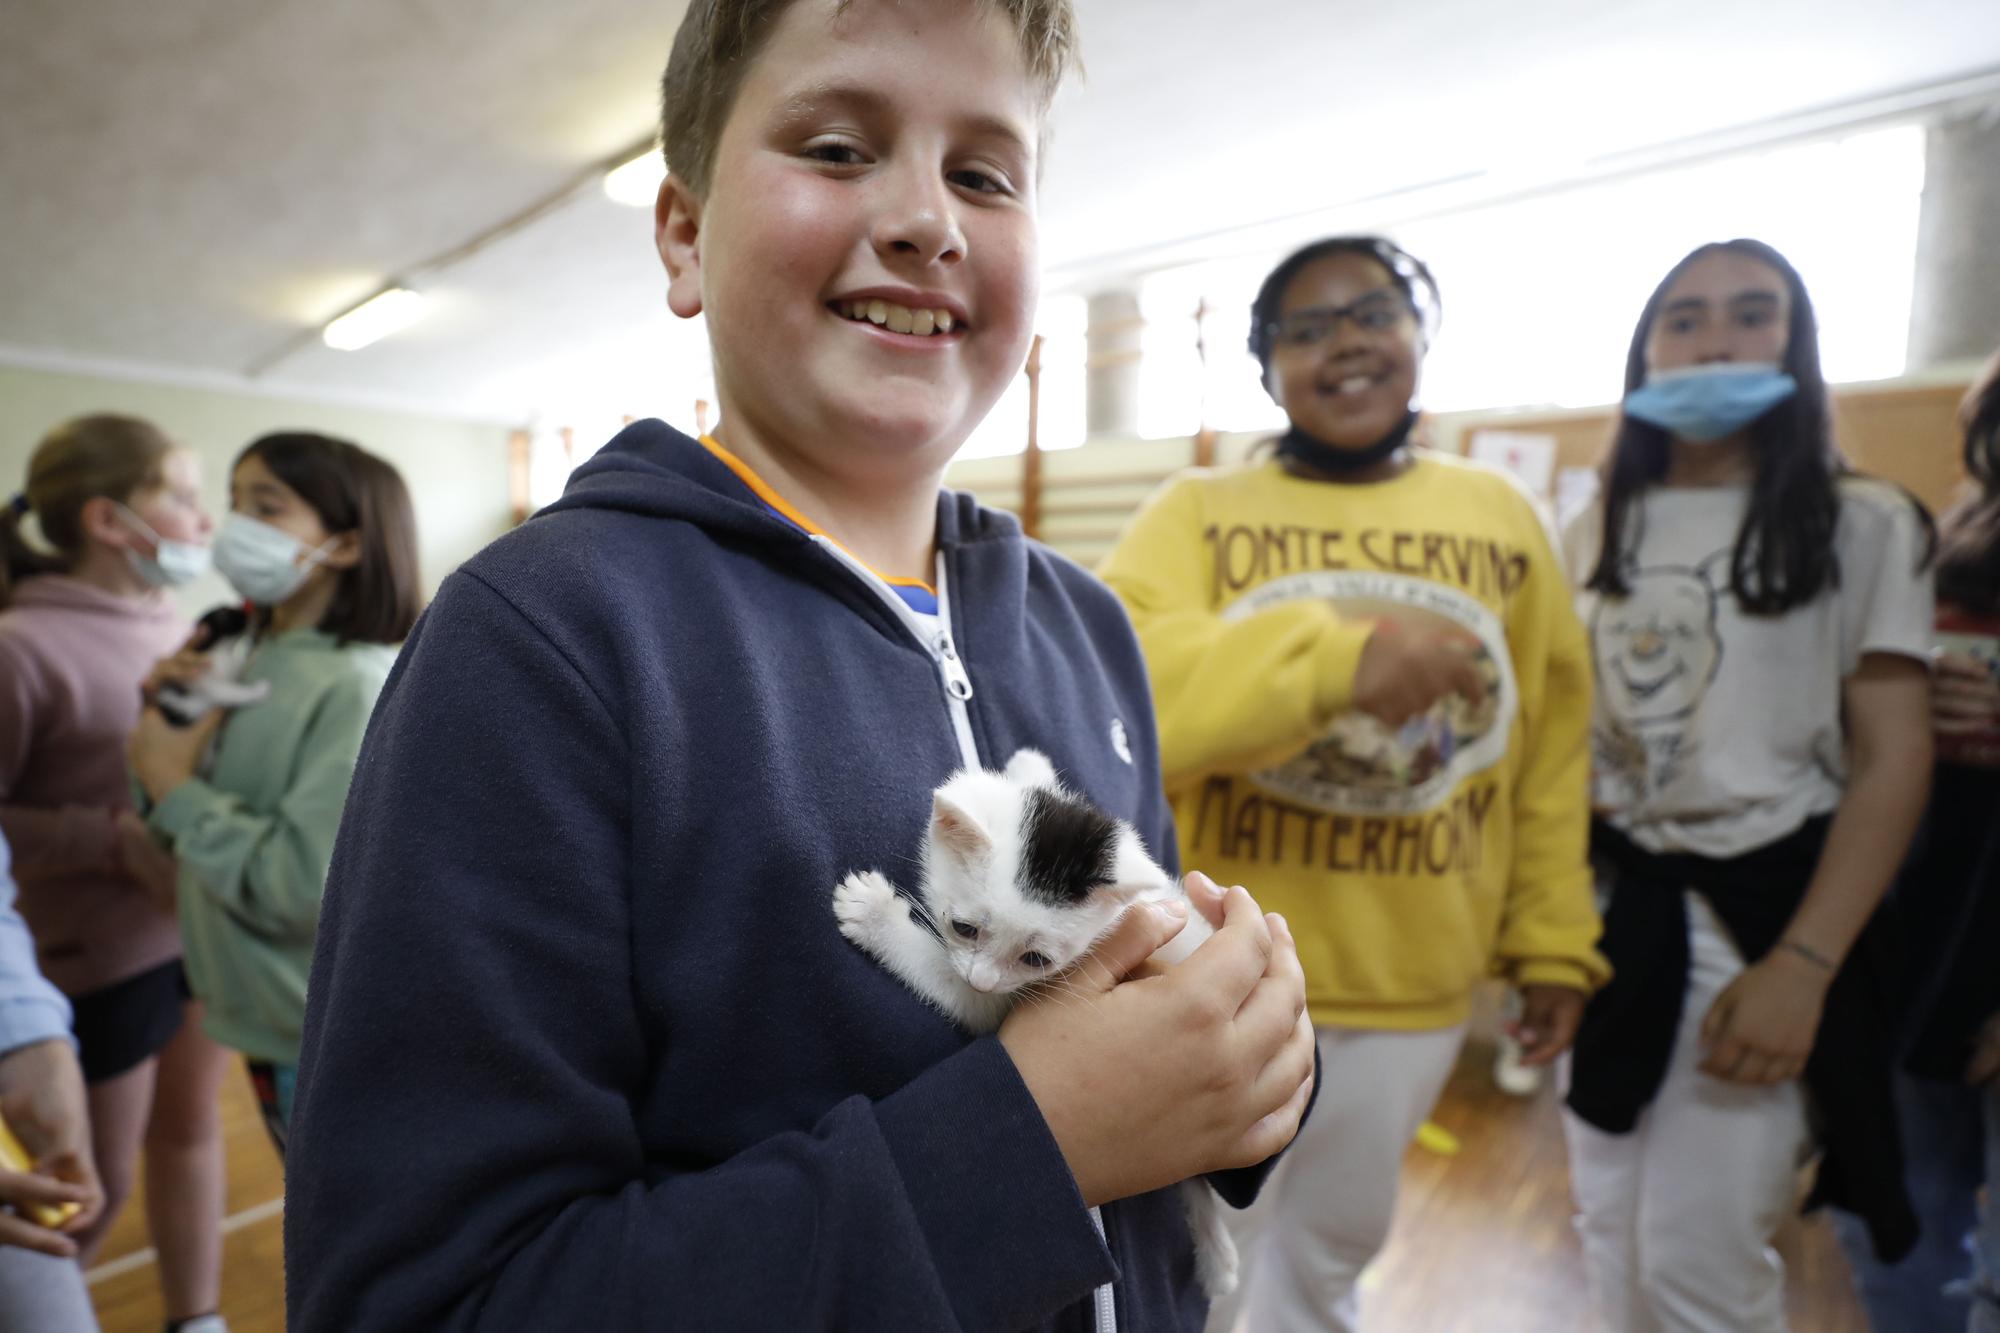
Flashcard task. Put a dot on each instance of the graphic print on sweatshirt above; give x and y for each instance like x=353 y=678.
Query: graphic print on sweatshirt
x=1361 y=766
x=1654 y=653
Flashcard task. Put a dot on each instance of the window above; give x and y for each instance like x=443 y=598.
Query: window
x=1541 y=295
x=1060 y=322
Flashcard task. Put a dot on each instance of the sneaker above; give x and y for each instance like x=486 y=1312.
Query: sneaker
x=203 y=1323
x=1510 y=1075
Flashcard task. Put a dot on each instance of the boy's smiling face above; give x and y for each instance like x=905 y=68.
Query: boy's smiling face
x=878 y=161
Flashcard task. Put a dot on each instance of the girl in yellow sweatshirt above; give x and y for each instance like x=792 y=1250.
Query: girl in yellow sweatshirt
x=1373 y=698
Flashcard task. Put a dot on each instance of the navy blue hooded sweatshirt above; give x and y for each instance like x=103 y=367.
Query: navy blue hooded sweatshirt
x=584 y=1048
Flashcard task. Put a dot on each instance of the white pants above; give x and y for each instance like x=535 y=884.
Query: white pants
x=42 y=1294
x=1677 y=1217
x=1326 y=1209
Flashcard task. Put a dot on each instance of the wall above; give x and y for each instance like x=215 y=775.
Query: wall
x=1904 y=430
x=456 y=471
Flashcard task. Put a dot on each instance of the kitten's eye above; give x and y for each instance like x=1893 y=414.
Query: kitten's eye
x=1033 y=960
x=966 y=930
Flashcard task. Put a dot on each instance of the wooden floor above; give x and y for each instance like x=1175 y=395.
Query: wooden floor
x=1482 y=1241
x=123 y=1285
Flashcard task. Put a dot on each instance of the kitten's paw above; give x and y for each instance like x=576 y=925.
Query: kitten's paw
x=1216 y=1265
x=863 y=904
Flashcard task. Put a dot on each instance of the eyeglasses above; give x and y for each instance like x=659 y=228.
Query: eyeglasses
x=1375 y=313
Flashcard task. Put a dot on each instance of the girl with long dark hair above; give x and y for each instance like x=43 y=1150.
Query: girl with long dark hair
x=1760 y=623
x=321 y=543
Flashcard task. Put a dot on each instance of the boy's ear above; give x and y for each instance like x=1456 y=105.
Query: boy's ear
x=677 y=236
x=958 y=828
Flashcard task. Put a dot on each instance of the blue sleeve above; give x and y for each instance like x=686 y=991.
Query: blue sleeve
x=31 y=1010
x=467 y=1152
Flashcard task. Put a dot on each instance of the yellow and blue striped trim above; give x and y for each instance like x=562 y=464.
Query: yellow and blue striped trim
x=918 y=595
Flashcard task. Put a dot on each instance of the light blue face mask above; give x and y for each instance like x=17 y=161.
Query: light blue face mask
x=173 y=564
x=1704 y=403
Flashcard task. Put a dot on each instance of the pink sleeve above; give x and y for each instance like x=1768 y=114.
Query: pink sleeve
x=43 y=840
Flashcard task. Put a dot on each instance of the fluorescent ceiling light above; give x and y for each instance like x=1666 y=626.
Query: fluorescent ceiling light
x=378 y=317
x=636 y=182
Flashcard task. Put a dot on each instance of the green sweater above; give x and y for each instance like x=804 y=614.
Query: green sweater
x=255 y=836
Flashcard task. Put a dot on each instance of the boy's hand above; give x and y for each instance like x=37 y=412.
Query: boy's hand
x=1205 y=896
x=1406 y=668
x=1201 y=1067
x=42 y=1100
x=1548 y=1021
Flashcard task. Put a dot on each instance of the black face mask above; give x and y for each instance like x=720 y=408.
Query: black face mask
x=1320 y=456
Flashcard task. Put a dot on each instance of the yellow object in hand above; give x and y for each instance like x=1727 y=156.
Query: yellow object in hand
x=14 y=1157
x=1433 y=1137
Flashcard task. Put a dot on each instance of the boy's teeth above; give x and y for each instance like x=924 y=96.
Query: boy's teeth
x=900 y=319
x=1355 y=384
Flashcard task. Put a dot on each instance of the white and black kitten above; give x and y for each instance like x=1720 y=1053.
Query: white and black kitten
x=1020 y=878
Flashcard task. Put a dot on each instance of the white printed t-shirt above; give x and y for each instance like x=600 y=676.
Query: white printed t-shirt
x=1715 y=731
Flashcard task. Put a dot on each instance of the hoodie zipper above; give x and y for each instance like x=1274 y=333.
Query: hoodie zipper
x=957 y=685
x=936 y=643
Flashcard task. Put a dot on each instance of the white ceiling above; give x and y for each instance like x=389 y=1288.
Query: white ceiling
x=187 y=187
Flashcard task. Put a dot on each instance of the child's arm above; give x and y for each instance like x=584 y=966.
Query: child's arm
x=1241 y=1068
x=1761 y=1028
x=1549 y=929
x=55 y=1188
x=266 y=871
x=1230 y=694
x=468 y=1150
x=1154 y=819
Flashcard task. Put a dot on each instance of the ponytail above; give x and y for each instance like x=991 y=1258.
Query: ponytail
x=19 y=560
x=102 y=455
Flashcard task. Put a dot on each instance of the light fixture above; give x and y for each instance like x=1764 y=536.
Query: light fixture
x=376 y=318
x=637 y=182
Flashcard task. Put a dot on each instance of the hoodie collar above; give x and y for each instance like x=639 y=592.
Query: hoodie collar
x=73 y=594
x=651 y=468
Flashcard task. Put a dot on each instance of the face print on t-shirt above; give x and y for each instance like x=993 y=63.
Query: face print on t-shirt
x=1656 y=651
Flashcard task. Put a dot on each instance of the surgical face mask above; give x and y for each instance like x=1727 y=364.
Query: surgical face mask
x=262 y=562
x=1705 y=403
x=172 y=564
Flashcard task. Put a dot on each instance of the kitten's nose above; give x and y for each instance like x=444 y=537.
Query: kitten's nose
x=983 y=979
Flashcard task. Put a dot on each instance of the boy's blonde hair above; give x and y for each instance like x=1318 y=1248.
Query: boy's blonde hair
x=719 y=38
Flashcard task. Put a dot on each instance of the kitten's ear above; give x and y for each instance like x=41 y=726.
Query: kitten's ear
x=1124 y=890
x=958 y=828
x=1031 y=768
x=1134 y=873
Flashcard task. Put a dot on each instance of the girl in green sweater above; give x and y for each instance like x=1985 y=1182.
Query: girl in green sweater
x=321 y=543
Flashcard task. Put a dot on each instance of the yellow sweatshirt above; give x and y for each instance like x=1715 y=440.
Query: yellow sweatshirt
x=1408 y=863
